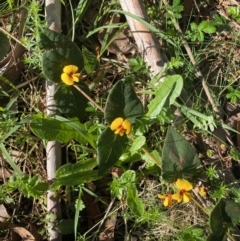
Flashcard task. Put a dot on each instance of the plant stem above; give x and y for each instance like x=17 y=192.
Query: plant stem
x=88 y=97
x=148 y=153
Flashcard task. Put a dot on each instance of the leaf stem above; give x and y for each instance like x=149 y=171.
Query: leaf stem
x=89 y=98
x=148 y=153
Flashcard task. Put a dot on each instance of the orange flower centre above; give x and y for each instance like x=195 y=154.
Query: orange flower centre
x=71 y=75
x=182 y=191
x=121 y=129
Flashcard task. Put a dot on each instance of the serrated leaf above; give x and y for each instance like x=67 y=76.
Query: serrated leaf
x=90 y=60
x=179 y=158
x=200 y=36
x=122 y=102
x=70 y=101
x=165 y=95
x=202 y=25
x=193 y=26
x=5 y=45
x=60 y=51
x=137 y=143
x=110 y=147
x=128 y=176
x=209 y=29
x=134 y=202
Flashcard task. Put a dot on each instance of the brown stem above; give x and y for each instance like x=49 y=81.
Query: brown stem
x=89 y=98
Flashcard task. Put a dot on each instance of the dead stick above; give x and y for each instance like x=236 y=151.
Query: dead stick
x=89 y=98
x=53 y=149
x=146 y=41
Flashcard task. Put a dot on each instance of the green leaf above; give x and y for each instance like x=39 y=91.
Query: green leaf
x=90 y=61
x=80 y=128
x=166 y=95
x=146 y=24
x=134 y=202
x=69 y=168
x=60 y=52
x=209 y=29
x=149 y=161
x=128 y=177
x=79 y=206
x=110 y=148
x=217 y=238
x=70 y=101
x=179 y=157
x=225 y=212
x=65 y=226
x=216 y=220
x=82 y=7
x=75 y=174
x=231 y=212
x=9 y=159
x=5 y=45
x=202 y=25
x=200 y=36
x=51 y=129
x=123 y=102
x=137 y=144
x=193 y=26
x=75 y=178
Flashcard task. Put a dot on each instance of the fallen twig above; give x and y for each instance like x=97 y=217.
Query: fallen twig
x=53 y=149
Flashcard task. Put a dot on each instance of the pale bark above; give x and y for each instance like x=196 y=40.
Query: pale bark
x=53 y=149
x=147 y=43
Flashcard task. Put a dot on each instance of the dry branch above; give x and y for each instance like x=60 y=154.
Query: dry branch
x=147 y=43
x=53 y=149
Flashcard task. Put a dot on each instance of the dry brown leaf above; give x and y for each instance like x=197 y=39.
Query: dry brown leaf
x=93 y=210
x=109 y=226
x=116 y=172
x=3 y=213
x=121 y=44
x=22 y=232
x=5 y=173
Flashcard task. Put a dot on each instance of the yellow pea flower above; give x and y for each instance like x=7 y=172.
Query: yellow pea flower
x=70 y=75
x=120 y=126
x=202 y=191
x=167 y=199
x=183 y=187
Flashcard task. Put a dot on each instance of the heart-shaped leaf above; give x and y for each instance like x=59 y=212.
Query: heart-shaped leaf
x=70 y=101
x=60 y=51
x=110 y=147
x=123 y=102
x=179 y=158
